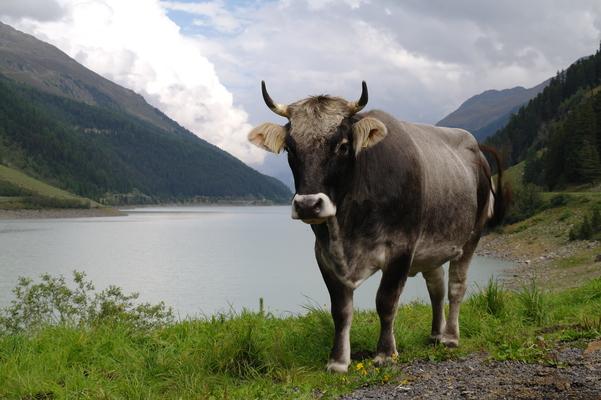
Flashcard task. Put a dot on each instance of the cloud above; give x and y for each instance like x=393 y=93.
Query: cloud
x=43 y=11
x=421 y=60
x=136 y=45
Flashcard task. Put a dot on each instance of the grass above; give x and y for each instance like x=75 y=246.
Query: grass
x=22 y=191
x=256 y=355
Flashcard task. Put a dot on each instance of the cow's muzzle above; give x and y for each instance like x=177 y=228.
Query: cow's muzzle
x=312 y=208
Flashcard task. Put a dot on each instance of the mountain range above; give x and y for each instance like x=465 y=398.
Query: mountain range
x=65 y=124
x=489 y=111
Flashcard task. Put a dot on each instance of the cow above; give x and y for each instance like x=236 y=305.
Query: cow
x=383 y=194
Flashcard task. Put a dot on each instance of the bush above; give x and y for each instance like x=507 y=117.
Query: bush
x=53 y=302
x=589 y=228
x=527 y=201
x=558 y=200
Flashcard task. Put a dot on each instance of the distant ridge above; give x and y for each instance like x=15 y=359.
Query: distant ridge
x=489 y=111
x=62 y=123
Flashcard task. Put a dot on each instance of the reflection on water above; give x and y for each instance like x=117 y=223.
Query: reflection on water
x=200 y=260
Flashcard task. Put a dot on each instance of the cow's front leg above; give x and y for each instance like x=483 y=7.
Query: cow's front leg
x=341 y=298
x=342 y=313
x=387 y=299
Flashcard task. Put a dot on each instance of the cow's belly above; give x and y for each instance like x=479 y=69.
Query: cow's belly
x=429 y=258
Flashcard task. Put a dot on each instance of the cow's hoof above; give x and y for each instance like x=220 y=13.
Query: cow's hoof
x=338 y=367
x=382 y=359
x=450 y=342
x=435 y=339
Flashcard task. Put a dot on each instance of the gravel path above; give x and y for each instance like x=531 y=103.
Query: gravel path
x=475 y=377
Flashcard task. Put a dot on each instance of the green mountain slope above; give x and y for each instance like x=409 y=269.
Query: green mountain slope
x=26 y=59
x=76 y=130
x=18 y=190
x=98 y=153
x=489 y=111
x=558 y=133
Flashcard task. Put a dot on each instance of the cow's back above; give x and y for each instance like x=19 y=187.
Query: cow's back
x=447 y=161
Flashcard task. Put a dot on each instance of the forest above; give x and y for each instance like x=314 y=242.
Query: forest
x=108 y=155
x=558 y=133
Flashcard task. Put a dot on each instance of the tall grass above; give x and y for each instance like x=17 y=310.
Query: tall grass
x=534 y=303
x=90 y=353
x=491 y=299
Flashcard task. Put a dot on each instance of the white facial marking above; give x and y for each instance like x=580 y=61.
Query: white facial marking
x=327 y=208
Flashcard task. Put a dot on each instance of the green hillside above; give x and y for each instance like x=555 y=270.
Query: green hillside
x=559 y=131
x=70 y=127
x=109 y=155
x=18 y=190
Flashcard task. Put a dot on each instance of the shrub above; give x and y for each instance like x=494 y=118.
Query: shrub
x=53 y=302
x=589 y=228
x=558 y=200
x=527 y=201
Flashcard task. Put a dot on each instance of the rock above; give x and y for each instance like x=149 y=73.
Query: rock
x=598 y=258
x=593 y=346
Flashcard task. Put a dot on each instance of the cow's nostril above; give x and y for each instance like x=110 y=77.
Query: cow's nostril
x=317 y=205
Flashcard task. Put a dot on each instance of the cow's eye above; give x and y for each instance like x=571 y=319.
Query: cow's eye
x=343 y=148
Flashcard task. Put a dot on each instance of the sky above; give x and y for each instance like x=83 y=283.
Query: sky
x=201 y=62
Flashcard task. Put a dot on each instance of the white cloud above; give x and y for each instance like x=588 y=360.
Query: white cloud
x=136 y=45
x=44 y=11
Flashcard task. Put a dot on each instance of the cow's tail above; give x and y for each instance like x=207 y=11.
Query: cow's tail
x=500 y=193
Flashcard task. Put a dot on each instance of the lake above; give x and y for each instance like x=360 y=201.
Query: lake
x=200 y=260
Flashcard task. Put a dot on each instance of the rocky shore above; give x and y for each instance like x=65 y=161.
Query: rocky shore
x=60 y=213
x=574 y=374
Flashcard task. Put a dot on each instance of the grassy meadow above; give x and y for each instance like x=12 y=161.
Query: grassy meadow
x=63 y=339
x=60 y=340
x=20 y=191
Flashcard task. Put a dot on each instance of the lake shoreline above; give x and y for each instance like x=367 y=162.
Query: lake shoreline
x=56 y=213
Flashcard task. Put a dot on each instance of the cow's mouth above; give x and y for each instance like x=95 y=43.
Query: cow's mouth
x=314 y=221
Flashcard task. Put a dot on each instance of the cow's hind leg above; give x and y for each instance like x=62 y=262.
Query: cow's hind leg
x=457 y=286
x=387 y=299
x=436 y=288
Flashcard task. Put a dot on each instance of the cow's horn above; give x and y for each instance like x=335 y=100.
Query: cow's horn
x=357 y=106
x=279 y=109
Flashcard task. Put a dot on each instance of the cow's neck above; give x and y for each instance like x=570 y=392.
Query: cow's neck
x=336 y=246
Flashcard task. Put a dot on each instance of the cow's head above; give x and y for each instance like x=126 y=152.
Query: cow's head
x=323 y=139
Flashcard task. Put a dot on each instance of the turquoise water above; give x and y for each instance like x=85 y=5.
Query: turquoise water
x=200 y=260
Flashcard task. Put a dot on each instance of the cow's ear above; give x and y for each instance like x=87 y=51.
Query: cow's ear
x=367 y=132
x=268 y=136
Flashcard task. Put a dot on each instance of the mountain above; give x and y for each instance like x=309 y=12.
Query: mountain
x=72 y=128
x=558 y=133
x=490 y=111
